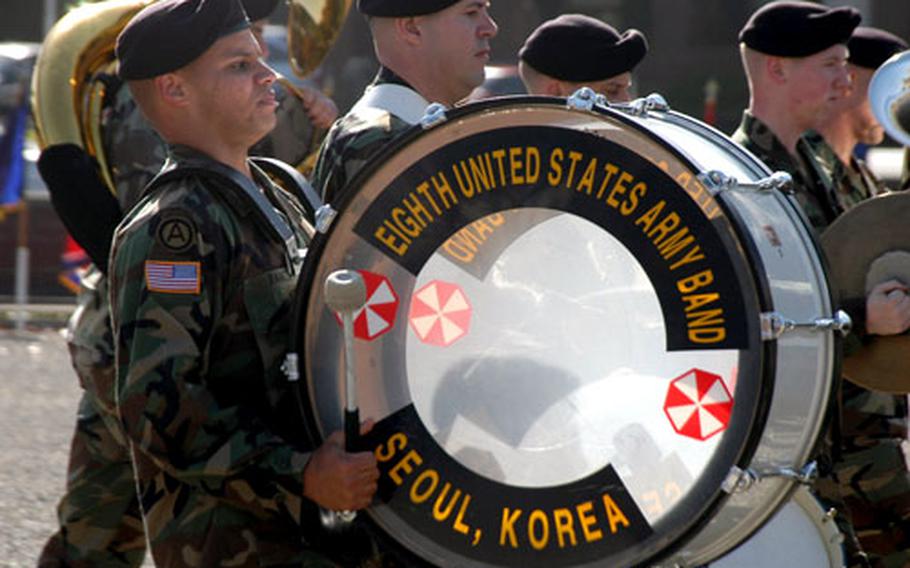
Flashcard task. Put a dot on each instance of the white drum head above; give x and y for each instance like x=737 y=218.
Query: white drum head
x=561 y=344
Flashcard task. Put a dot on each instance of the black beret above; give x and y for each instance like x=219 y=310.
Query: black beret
x=578 y=48
x=870 y=47
x=798 y=29
x=259 y=9
x=169 y=34
x=402 y=8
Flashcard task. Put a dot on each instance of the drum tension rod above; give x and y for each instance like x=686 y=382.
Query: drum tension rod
x=717 y=182
x=775 y=325
x=324 y=218
x=739 y=480
x=655 y=102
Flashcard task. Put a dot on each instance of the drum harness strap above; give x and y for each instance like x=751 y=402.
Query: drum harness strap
x=244 y=196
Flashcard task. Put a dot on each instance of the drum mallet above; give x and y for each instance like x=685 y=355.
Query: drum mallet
x=345 y=293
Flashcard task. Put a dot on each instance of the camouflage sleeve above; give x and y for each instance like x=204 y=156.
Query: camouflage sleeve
x=349 y=145
x=180 y=377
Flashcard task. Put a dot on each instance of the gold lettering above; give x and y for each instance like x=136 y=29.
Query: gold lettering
x=639 y=191
x=538 y=518
x=614 y=514
x=418 y=496
x=407 y=464
x=574 y=157
x=424 y=191
x=555 y=175
x=611 y=171
x=692 y=283
x=444 y=191
x=532 y=165
x=587 y=519
x=515 y=166
x=459 y=525
x=441 y=513
x=398 y=439
x=507 y=527
x=499 y=156
x=694 y=255
x=388 y=240
x=419 y=214
x=586 y=183
x=647 y=219
x=562 y=520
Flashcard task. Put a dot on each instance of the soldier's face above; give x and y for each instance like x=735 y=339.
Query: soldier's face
x=231 y=90
x=458 y=44
x=865 y=126
x=617 y=89
x=818 y=82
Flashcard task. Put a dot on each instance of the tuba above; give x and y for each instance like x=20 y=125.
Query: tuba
x=889 y=95
x=67 y=86
x=313 y=28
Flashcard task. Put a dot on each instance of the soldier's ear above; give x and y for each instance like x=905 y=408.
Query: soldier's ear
x=409 y=29
x=776 y=69
x=172 y=89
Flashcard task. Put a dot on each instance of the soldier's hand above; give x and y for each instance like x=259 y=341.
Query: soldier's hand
x=888 y=309
x=320 y=108
x=338 y=480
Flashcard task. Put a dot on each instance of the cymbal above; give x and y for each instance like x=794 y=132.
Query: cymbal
x=866 y=246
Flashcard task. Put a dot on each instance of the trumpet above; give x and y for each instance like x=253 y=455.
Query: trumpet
x=889 y=95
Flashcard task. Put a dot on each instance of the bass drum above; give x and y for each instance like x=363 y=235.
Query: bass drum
x=802 y=533
x=566 y=344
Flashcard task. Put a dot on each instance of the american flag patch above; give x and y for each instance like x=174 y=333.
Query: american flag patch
x=172 y=277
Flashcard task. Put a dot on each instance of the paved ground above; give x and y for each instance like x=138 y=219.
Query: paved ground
x=38 y=396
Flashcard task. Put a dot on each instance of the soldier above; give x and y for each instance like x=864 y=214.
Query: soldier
x=853 y=121
x=871 y=470
x=574 y=51
x=221 y=477
x=99 y=516
x=795 y=58
x=432 y=50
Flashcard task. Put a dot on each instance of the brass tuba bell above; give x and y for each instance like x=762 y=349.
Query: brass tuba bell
x=67 y=91
x=889 y=95
x=313 y=27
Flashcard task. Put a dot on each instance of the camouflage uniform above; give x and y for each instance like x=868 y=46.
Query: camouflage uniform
x=872 y=470
x=815 y=195
x=100 y=522
x=359 y=135
x=99 y=516
x=211 y=420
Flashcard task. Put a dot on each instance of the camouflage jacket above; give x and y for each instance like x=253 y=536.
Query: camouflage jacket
x=756 y=137
x=360 y=134
x=134 y=151
x=200 y=301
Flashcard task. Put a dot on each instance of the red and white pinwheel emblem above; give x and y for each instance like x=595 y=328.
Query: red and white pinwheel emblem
x=440 y=313
x=377 y=316
x=698 y=404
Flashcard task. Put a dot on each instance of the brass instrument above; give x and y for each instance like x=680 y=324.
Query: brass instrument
x=889 y=95
x=313 y=28
x=66 y=91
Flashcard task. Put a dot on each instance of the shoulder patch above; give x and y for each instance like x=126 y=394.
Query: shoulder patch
x=173 y=277
x=176 y=233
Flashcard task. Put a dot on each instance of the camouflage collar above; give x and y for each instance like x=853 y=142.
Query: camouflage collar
x=762 y=142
